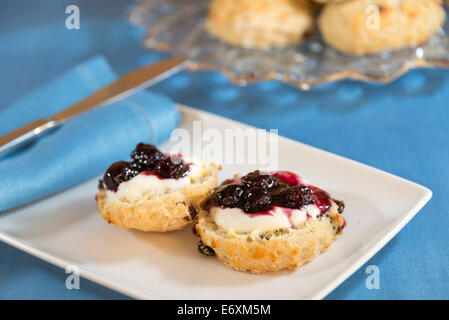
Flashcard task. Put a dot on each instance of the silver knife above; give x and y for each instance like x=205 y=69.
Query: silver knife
x=124 y=86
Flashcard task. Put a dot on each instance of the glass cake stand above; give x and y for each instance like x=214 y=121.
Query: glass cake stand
x=177 y=26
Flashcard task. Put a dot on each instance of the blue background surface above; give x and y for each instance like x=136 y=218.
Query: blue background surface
x=402 y=128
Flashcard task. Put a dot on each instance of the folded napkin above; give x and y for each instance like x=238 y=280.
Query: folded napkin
x=84 y=146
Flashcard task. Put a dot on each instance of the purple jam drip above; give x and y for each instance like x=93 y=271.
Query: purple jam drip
x=323 y=199
x=262 y=213
x=288 y=177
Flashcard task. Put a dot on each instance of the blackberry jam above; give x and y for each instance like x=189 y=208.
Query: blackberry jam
x=117 y=173
x=260 y=191
x=146 y=159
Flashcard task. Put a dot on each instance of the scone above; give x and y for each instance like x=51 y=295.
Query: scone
x=268 y=221
x=259 y=23
x=357 y=27
x=155 y=191
x=328 y=1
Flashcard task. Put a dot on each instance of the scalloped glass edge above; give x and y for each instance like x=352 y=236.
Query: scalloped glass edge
x=305 y=66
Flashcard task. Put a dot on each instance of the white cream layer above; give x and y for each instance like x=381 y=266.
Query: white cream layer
x=235 y=220
x=142 y=186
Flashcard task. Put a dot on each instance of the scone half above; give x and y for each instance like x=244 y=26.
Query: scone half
x=245 y=243
x=149 y=202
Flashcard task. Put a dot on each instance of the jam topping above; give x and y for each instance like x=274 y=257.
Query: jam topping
x=145 y=159
x=229 y=195
x=258 y=192
x=172 y=167
x=296 y=197
x=257 y=199
x=117 y=173
x=323 y=200
x=287 y=177
x=256 y=179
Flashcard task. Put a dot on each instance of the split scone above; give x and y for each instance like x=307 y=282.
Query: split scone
x=371 y=26
x=268 y=221
x=328 y=1
x=260 y=23
x=155 y=191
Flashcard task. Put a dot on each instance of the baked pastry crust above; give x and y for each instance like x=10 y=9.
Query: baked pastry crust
x=260 y=24
x=327 y=1
x=271 y=251
x=402 y=23
x=163 y=213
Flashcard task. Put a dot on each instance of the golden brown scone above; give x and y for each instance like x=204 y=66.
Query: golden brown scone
x=167 y=212
x=260 y=23
x=328 y=1
x=351 y=27
x=271 y=251
x=268 y=221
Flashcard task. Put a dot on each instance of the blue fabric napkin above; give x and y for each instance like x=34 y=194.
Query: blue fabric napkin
x=84 y=146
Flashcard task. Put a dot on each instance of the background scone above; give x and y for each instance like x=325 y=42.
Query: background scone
x=155 y=192
x=259 y=23
x=351 y=26
x=328 y=1
x=268 y=222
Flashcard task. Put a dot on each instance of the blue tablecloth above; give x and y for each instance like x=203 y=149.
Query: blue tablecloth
x=402 y=128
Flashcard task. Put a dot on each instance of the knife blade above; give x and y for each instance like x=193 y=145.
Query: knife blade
x=124 y=86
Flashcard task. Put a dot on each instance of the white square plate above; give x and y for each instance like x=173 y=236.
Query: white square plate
x=67 y=230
